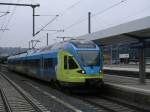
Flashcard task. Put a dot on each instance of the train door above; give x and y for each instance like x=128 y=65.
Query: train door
x=41 y=68
x=67 y=66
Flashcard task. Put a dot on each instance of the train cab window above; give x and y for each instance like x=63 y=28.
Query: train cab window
x=84 y=44
x=72 y=63
x=69 y=63
x=65 y=62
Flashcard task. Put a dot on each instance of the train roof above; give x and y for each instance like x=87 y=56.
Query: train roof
x=83 y=44
x=76 y=43
x=55 y=47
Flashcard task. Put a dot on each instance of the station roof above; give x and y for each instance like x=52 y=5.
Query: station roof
x=123 y=33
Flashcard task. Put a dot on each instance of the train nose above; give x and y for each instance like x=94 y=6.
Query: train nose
x=92 y=70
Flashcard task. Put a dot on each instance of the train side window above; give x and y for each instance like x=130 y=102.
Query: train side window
x=36 y=62
x=48 y=63
x=65 y=62
x=72 y=63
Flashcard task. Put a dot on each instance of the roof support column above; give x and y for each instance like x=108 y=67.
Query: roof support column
x=111 y=53
x=142 y=68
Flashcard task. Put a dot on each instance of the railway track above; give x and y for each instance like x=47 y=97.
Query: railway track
x=134 y=74
x=108 y=105
x=105 y=103
x=15 y=99
x=96 y=103
x=4 y=107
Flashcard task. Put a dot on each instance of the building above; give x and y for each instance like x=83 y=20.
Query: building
x=123 y=54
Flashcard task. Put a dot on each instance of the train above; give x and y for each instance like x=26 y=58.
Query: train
x=72 y=62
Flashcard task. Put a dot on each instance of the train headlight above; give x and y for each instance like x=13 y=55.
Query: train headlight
x=83 y=72
x=100 y=71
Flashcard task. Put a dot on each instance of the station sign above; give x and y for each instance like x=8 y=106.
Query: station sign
x=123 y=55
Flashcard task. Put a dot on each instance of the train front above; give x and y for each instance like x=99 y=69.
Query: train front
x=83 y=63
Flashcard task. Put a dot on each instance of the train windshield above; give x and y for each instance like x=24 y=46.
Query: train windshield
x=89 y=58
x=84 y=44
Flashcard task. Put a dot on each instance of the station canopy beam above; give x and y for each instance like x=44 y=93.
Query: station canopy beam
x=136 y=31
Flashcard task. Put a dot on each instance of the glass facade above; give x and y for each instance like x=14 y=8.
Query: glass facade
x=112 y=54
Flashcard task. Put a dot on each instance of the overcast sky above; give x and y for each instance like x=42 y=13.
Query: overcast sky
x=19 y=20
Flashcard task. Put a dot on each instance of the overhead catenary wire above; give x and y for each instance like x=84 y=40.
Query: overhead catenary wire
x=94 y=15
x=33 y=1
x=128 y=17
x=136 y=13
x=4 y=14
x=108 y=8
x=46 y=24
x=59 y=15
x=79 y=21
x=3 y=22
x=4 y=26
x=69 y=8
x=62 y=14
x=11 y=16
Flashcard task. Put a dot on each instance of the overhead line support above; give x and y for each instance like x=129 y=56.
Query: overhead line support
x=15 y=4
x=29 y=5
x=142 y=63
x=89 y=22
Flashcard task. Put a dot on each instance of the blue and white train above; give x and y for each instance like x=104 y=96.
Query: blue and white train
x=71 y=62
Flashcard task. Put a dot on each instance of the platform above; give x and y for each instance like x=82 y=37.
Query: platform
x=129 y=89
x=125 y=67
